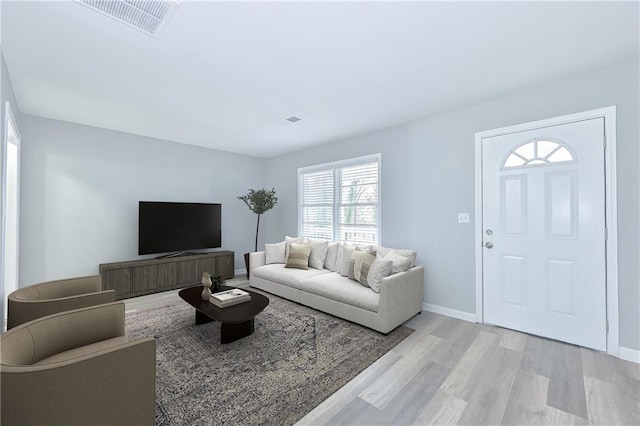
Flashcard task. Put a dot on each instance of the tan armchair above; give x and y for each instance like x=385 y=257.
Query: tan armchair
x=77 y=368
x=39 y=300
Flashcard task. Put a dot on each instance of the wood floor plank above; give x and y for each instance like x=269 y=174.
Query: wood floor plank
x=598 y=365
x=527 y=400
x=389 y=384
x=626 y=368
x=488 y=395
x=418 y=337
x=536 y=357
x=555 y=417
x=460 y=380
x=422 y=387
x=566 y=380
x=626 y=392
x=424 y=320
x=513 y=340
x=442 y=409
x=339 y=400
x=601 y=405
x=356 y=412
x=457 y=340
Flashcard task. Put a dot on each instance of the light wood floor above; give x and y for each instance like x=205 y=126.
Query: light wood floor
x=455 y=372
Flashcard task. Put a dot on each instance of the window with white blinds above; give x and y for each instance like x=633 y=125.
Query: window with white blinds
x=340 y=201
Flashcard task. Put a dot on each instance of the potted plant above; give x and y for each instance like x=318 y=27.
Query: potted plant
x=217 y=282
x=259 y=202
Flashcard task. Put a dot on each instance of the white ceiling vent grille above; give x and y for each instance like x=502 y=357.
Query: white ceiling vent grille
x=148 y=16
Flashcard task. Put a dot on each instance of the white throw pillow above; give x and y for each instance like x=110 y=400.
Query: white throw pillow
x=409 y=254
x=275 y=253
x=379 y=270
x=331 y=259
x=288 y=241
x=345 y=260
x=400 y=262
x=318 y=253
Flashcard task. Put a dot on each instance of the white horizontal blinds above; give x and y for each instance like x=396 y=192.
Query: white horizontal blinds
x=358 y=205
x=315 y=209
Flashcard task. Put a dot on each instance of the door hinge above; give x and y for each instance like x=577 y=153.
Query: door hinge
x=606 y=234
x=604 y=139
x=607 y=326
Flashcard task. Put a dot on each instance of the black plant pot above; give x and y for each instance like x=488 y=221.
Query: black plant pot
x=246 y=263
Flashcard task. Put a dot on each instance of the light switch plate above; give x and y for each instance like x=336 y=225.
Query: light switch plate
x=463 y=217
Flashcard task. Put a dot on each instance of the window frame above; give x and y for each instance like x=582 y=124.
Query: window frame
x=335 y=166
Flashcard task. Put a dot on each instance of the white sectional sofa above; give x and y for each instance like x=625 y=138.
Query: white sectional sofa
x=399 y=299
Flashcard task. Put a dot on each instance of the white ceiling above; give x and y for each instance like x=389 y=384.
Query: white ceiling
x=226 y=75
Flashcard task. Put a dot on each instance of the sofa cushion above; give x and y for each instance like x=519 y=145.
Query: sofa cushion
x=379 y=270
x=362 y=261
x=318 y=253
x=274 y=253
x=342 y=289
x=298 y=256
x=331 y=259
x=291 y=240
x=409 y=254
x=400 y=263
x=291 y=277
x=83 y=350
x=357 y=253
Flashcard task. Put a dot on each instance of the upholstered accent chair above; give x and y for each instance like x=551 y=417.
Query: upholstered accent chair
x=39 y=300
x=77 y=368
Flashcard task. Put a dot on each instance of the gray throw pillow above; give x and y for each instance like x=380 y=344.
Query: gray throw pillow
x=378 y=270
x=400 y=262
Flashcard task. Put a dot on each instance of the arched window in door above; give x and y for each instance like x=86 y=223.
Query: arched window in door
x=539 y=152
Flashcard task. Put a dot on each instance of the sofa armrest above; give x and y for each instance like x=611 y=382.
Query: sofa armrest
x=73 y=329
x=257 y=259
x=69 y=287
x=113 y=386
x=22 y=311
x=402 y=294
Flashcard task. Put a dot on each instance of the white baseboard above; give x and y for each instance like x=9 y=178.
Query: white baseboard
x=437 y=309
x=240 y=272
x=628 y=354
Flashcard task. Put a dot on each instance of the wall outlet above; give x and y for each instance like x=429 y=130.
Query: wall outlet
x=463 y=217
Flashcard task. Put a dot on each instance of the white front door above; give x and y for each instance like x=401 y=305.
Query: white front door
x=543 y=214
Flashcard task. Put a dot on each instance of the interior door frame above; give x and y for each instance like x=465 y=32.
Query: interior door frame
x=8 y=120
x=611 y=210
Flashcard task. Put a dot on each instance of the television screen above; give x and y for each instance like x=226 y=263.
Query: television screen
x=167 y=227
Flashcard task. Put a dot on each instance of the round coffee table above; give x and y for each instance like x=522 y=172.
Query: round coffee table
x=237 y=320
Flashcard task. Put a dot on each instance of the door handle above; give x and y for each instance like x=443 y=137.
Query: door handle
x=489 y=245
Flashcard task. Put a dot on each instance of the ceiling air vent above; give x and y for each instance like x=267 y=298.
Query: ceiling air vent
x=293 y=119
x=148 y=16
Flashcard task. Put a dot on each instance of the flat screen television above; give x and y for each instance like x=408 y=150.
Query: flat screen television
x=173 y=227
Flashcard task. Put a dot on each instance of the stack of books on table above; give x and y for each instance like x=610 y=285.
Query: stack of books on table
x=229 y=298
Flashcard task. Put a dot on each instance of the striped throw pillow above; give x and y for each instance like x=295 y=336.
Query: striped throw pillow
x=362 y=261
x=298 y=256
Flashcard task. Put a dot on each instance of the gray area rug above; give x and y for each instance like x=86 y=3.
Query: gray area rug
x=296 y=358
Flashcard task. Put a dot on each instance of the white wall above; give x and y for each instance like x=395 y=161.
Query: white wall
x=428 y=177
x=81 y=186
